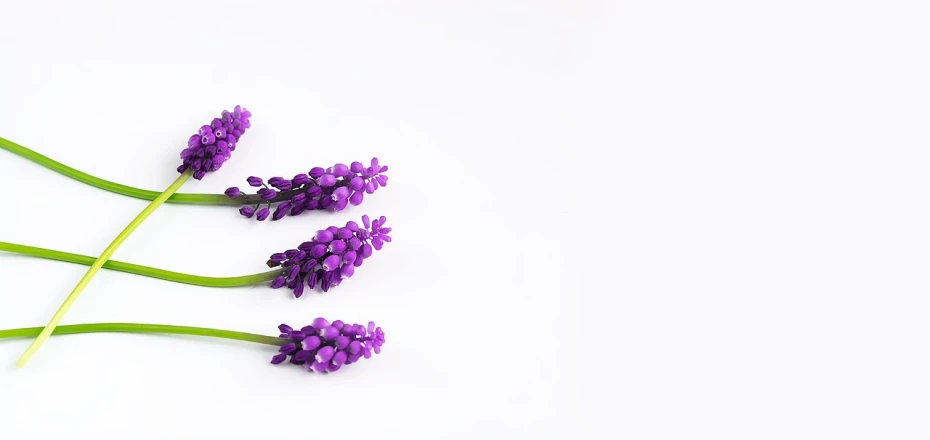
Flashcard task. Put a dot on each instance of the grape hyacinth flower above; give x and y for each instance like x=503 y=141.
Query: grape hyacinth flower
x=320 y=347
x=324 y=347
x=326 y=260
x=331 y=189
x=203 y=154
x=213 y=144
x=330 y=257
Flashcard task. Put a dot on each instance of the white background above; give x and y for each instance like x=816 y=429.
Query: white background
x=640 y=220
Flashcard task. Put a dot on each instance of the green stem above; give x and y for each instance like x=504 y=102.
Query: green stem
x=119 y=266
x=60 y=168
x=144 y=328
x=72 y=297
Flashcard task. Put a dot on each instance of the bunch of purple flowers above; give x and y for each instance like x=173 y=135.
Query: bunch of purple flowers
x=332 y=189
x=331 y=256
x=213 y=144
x=326 y=347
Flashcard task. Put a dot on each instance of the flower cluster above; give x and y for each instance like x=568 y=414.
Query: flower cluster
x=326 y=347
x=332 y=189
x=331 y=256
x=213 y=144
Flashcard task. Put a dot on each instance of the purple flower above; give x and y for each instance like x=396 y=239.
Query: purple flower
x=330 y=257
x=212 y=145
x=331 y=189
x=325 y=348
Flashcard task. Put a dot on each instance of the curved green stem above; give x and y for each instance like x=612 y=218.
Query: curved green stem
x=104 y=256
x=60 y=168
x=119 y=266
x=144 y=328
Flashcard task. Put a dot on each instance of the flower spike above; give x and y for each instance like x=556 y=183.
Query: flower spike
x=331 y=189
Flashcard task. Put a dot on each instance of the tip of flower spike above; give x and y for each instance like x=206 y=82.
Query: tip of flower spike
x=210 y=147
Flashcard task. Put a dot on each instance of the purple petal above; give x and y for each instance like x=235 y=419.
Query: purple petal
x=354 y=347
x=300 y=179
x=340 y=358
x=341 y=193
x=278 y=358
x=311 y=343
x=366 y=221
x=340 y=170
x=308 y=266
x=382 y=179
x=284 y=328
x=337 y=247
x=331 y=263
x=357 y=183
x=318 y=250
x=329 y=333
x=377 y=243
x=327 y=180
x=302 y=355
x=247 y=211
x=278 y=282
x=357 y=167
x=370 y=187
x=262 y=214
x=288 y=348
x=320 y=323
x=279 y=213
x=347 y=271
x=316 y=172
x=267 y=193
x=323 y=236
x=324 y=354
x=349 y=257
x=356 y=198
x=366 y=250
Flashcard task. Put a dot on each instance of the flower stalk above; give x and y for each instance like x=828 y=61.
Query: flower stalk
x=144 y=328
x=136 y=269
x=97 y=264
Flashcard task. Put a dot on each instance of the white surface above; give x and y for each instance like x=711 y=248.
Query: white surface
x=471 y=106
x=639 y=220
